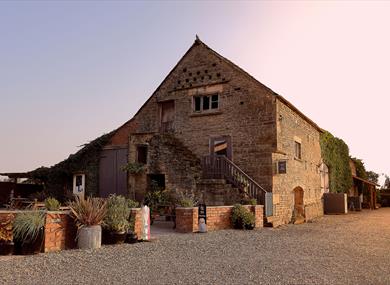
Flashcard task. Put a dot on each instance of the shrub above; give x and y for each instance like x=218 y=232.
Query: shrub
x=52 y=204
x=88 y=212
x=27 y=225
x=242 y=218
x=187 y=202
x=117 y=216
x=132 y=204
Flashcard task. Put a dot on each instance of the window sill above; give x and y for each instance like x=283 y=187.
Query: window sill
x=201 y=114
x=298 y=159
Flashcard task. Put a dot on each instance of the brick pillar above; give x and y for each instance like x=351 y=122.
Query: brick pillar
x=186 y=220
x=60 y=232
x=136 y=213
x=258 y=210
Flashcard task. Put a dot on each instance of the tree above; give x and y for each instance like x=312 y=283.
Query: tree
x=387 y=183
x=373 y=176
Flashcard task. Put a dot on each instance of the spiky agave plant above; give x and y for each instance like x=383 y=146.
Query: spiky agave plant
x=28 y=225
x=52 y=204
x=89 y=211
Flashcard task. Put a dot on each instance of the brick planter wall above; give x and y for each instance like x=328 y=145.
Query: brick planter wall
x=218 y=218
x=60 y=231
x=136 y=212
x=186 y=220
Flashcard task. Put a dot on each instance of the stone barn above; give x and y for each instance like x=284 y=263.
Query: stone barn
x=213 y=129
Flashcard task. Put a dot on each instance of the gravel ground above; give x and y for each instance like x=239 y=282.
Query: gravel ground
x=345 y=249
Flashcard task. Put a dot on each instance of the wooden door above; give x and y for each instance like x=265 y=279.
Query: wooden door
x=221 y=146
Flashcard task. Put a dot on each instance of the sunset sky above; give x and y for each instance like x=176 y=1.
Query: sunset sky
x=71 y=71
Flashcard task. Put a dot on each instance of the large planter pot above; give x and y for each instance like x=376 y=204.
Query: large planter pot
x=131 y=237
x=29 y=246
x=109 y=237
x=6 y=248
x=90 y=237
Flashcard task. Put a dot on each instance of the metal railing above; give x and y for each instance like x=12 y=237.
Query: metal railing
x=220 y=167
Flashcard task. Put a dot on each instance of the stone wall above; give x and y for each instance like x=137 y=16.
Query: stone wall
x=216 y=192
x=246 y=111
x=301 y=172
x=218 y=218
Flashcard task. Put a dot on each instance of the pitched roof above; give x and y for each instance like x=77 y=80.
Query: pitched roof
x=227 y=61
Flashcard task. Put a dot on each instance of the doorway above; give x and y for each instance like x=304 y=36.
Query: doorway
x=221 y=146
x=299 y=210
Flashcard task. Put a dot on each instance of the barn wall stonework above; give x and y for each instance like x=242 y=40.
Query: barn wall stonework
x=301 y=172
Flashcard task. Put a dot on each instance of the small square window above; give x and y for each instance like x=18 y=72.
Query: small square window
x=298 y=150
x=282 y=167
x=205 y=103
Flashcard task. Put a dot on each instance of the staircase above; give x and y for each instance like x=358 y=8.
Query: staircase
x=220 y=167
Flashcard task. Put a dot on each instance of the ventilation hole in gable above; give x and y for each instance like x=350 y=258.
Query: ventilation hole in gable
x=182 y=86
x=184 y=69
x=242 y=103
x=194 y=78
x=190 y=84
x=202 y=78
x=198 y=72
x=206 y=71
x=187 y=80
x=214 y=64
x=178 y=82
x=237 y=89
x=218 y=74
x=190 y=74
x=223 y=79
x=210 y=76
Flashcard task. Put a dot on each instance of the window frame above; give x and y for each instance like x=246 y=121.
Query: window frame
x=297 y=150
x=201 y=103
x=146 y=149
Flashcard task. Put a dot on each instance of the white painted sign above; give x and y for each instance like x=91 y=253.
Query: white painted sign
x=79 y=185
x=145 y=223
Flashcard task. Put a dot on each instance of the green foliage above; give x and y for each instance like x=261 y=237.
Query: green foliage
x=117 y=216
x=372 y=176
x=249 y=201
x=335 y=154
x=89 y=211
x=132 y=204
x=187 y=199
x=27 y=225
x=52 y=204
x=60 y=176
x=360 y=168
x=134 y=168
x=242 y=218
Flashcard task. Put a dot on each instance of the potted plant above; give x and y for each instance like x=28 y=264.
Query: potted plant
x=116 y=222
x=6 y=236
x=88 y=214
x=52 y=204
x=28 y=231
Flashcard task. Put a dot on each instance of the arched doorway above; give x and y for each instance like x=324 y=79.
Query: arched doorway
x=299 y=209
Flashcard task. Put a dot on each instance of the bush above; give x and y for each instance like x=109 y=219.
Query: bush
x=27 y=225
x=117 y=216
x=88 y=212
x=242 y=218
x=132 y=204
x=52 y=204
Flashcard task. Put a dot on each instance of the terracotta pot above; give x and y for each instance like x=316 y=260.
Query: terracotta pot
x=6 y=248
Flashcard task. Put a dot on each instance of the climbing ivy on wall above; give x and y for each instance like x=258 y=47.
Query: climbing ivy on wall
x=360 y=168
x=335 y=153
x=60 y=176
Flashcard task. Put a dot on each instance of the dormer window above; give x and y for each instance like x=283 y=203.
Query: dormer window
x=205 y=103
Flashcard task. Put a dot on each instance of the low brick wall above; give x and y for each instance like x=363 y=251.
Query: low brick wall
x=218 y=218
x=136 y=213
x=186 y=220
x=60 y=231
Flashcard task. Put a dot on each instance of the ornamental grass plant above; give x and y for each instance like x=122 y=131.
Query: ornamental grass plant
x=88 y=212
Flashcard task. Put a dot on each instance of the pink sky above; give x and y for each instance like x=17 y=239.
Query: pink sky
x=73 y=71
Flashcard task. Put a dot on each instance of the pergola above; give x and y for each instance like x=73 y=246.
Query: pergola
x=371 y=186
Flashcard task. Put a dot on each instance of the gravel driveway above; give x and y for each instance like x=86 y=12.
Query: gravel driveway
x=345 y=249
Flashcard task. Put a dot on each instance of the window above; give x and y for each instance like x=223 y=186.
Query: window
x=142 y=154
x=282 y=166
x=298 y=150
x=205 y=103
